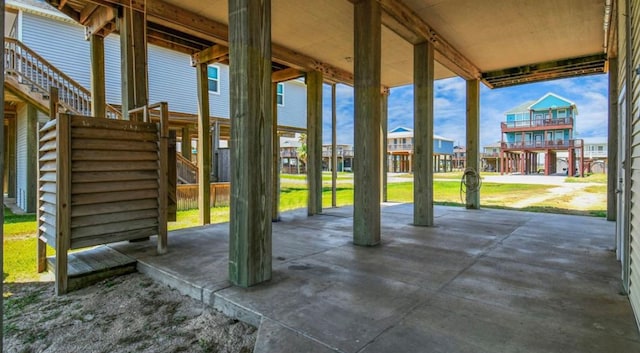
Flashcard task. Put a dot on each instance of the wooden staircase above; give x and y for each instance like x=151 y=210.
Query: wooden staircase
x=187 y=170
x=30 y=77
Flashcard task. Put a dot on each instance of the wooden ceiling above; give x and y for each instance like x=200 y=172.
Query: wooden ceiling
x=502 y=42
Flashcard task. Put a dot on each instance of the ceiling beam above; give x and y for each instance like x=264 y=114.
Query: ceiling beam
x=591 y=64
x=99 y=19
x=199 y=26
x=286 y=75
x=210 y=55
x=409 y=25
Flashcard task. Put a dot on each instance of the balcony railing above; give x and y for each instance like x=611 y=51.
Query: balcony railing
x=340 y=153
x=523 y=124
x=400 y=147
x=558 y=144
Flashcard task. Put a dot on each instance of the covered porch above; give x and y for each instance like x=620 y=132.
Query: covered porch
x=481 y=281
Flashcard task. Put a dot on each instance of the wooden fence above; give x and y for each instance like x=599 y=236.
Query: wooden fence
x=187 y=195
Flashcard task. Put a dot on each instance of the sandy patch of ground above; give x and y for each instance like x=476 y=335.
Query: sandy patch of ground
x=125 y=314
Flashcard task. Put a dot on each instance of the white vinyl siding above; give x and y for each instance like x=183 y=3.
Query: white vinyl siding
x=21 y=156
x=634 y=114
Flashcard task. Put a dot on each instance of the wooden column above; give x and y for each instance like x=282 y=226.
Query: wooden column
x=612 y=147
x=275 y=155
x=473 y=137
x=314 y=142
x=204 y=152
x=186 y=142
x=98 y=90
x=251 y=141
x=571 y=162
x=384 y=123
x=367 y=80
x=32 y=159
x=334 y=147
x=10 y=158
x=133 y=59
x=423 y=76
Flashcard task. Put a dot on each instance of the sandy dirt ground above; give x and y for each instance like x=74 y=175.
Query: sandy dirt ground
x=125 y=314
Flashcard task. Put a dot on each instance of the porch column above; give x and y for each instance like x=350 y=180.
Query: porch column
x=384 y=122
x=133 y=59
x=10 y=155
x=423 y=76
x=547 y=162
x=571 y=167
x=501 y=166
x=334 y=147
x=473 y=137
x=367 y=81
x=251 y=141
x=98 y=90
x=204 y=152
x=186 y=142
x=314 y=142
x=275 y=155
x=612 y=147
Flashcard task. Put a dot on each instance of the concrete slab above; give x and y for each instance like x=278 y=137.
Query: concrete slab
x=479 y=281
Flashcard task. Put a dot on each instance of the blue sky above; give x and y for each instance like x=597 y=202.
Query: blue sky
x=589 y=93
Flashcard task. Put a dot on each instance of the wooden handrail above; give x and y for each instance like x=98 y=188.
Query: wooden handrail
x=187 y=170
x=40 y=74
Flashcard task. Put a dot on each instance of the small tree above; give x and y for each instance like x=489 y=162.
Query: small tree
x=302 y=150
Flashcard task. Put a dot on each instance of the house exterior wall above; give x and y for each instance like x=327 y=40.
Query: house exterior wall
x=171 y=76
x=27 y=122
x=629 y=108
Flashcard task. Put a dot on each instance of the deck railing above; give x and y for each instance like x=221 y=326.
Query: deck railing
x=553 y=144
x=536 y=123
x=187 y=170
x=32 y=70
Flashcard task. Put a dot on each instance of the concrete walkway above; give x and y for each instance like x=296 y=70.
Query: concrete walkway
x=479 y=281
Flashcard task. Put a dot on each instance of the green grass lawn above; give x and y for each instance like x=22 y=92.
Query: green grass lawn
x=599 y=178
x=20 y=240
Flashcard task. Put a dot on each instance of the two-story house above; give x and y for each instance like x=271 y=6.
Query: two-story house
x=171 y=78
x=400 y=151
x=490 y=157
x=544 y=126
x=344 y=153
x=459 y=157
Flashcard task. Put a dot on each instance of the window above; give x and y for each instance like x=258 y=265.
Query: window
x=600 y=148
x=213 y=74
x=439 y=143
x=562 y=113
x=280 y=94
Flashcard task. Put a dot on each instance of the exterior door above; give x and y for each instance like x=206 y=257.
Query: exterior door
x=622 y=223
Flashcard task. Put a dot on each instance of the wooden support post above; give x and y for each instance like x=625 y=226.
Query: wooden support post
x=423 y=76
x=384 y=122
x=612 y=147
x=251 y=145
x=163 y=178
x=314 y=142
x=63 y=201
x=334 y=149
x=133 y=53
x=32 y=159
x=473 y=141
x=275 y=179
x=571 y=162
x=185 y=146
x=204 y=152
x=215 y=152
x=367 y=81
x=98 y=90
x=10 y=158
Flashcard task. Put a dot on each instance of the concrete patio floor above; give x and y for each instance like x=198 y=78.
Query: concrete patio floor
x=479 y=281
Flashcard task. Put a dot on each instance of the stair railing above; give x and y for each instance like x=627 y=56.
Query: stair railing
x=187 y=170
x=33 y=70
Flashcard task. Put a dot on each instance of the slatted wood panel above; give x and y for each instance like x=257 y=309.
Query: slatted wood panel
x=114 y=173
x=187 y=195
x=47 y=183
x=634 y=96
x=114 y=181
